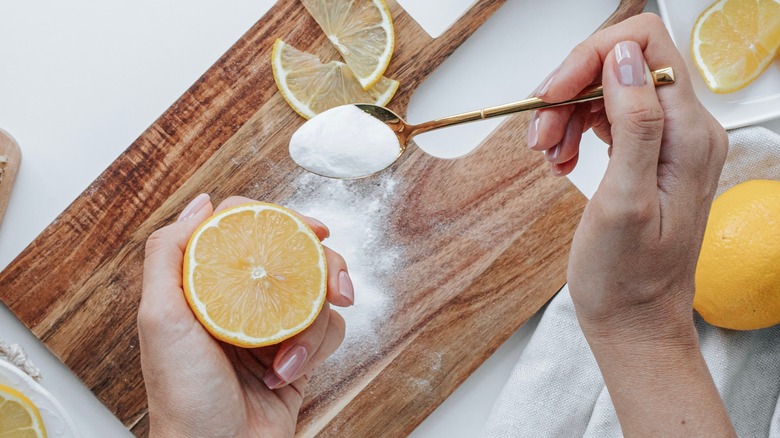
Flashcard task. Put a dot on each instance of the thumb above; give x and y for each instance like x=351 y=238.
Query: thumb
x=162 y=282
x=636 y=117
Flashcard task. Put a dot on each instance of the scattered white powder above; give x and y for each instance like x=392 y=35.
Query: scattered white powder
x=356 y=214
x=344 y=142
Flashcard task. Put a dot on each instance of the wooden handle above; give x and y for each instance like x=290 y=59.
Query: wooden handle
x=10 y=158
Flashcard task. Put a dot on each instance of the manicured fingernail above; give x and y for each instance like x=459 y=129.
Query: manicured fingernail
x=533 y=130
x=272 y=381
x=552 y=153
x=345 y=287
x=556 y=170
x=292 y=363
x=547 y=82
x=194 y=207
x=630 y=64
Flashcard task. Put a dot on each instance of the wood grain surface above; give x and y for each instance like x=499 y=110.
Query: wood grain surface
x=10 y=160
x=452 y=255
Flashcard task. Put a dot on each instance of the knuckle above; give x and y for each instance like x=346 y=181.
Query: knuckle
x=232 y=201
x=644 y=123
x=715 y=148
x=626 y=210
x=155 y=243
x=585 y=50
x=631 y=213
x=236 y=200
x=148 y=319
x=652 y=20
x=163 y=320
x=719 y=141
x=336 y=260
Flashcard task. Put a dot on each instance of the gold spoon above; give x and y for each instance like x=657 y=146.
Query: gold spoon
x=405 y=131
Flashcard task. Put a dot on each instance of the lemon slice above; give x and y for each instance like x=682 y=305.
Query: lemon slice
x=19 y=418
x=734 y=41
x=361 y=30
x=311 y=87
x=255 y=274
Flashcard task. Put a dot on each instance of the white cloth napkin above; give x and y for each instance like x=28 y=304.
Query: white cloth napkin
x=556 y=390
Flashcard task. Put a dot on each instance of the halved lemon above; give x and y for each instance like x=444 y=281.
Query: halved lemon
x=734 y=41
x=19 y=418
x=255 y=274
x=361 y=30
x=311 y=87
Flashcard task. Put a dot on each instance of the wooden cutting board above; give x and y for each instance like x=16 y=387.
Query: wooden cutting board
x=449 y=257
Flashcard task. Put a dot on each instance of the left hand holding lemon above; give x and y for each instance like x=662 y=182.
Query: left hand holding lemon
x=198 y=385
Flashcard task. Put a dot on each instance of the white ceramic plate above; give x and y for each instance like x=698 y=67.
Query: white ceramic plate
x=758 y=102
x=57 y=422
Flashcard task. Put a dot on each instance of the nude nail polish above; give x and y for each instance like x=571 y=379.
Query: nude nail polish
x=345 y=287
x=630 y=64
x=193 y=207
x=292 y=362
x=552 y=153
x=548 y=81
x=271 y=380
x=533 y=130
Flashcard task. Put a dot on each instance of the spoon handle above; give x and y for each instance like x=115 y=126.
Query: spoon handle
x=661 y=76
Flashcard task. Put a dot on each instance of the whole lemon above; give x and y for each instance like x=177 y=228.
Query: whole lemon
x=738 y=273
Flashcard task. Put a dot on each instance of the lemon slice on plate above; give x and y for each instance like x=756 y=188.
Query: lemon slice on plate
x=19 y=417
x=255 y=274
x=57 y=421
x=311 y=87
x=734 y=41
x=361 y=30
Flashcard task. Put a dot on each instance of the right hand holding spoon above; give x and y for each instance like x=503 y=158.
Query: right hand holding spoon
x=633 y=258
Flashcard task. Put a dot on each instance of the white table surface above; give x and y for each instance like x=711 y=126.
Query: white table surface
x=80 y=80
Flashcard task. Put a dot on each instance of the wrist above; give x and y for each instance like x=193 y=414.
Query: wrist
x=646 y=325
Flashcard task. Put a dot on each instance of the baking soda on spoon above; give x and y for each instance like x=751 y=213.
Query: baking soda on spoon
x=344 y=142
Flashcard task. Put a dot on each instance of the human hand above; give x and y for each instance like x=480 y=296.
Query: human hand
x=198 y=386
x=633 y=257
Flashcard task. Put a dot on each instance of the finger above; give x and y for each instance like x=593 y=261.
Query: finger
x=636 y=116
x=334 y=336
x=583 y=66
x=292 y=394
x=295 y=352
x=599 y=123
x=548 y=126
x=597 y=105
x=162 y=298
x=564 y=169
x=341 y=291
x=569 y=145
x=318 y=227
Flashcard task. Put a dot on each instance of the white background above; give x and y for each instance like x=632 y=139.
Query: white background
x=80 y=80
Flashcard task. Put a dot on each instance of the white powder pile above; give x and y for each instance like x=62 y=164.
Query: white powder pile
x=356 y=214
x=344 y=142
